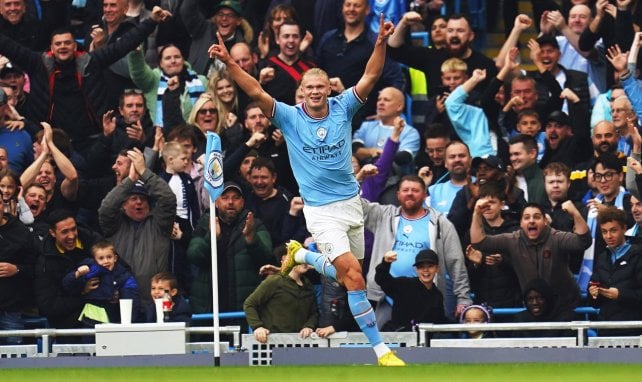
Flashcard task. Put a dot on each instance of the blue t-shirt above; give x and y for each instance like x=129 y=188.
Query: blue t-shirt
x=373 y=134
x=320 y=149
x=412 y=237
x=442 y=196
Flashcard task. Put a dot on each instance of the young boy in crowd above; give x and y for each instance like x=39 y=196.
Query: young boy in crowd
x=115 y=282
x=528 y=123
x=416 y=299
x=160 y=284
x=187 y=210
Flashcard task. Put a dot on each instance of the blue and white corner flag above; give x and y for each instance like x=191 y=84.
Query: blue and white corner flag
x=213 y=170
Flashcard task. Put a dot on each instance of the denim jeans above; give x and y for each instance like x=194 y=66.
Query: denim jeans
x=11 y=321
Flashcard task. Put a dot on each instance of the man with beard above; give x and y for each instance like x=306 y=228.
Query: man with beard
x=408 y=229
x=460 y=37
x=458 y=164
x=536 y=250
x=564 y=143
x=605 y=140
x=243 y=245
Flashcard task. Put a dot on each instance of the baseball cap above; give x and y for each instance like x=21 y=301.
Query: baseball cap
x=559 y=117
x=491 y=160
x=232 y=186
x=139 y=189
x=426 y=256
x=3 y=97
x=231 y=4
x=10 y=68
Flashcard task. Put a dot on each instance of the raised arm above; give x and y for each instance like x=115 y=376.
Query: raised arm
x=374 y=67
x=522 y=22
x=244 y=80
x=477 y=234
x=579 y=224
x=398 y=38
x=69 y=186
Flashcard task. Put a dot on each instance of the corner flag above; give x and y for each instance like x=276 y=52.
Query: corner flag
x=213 y=170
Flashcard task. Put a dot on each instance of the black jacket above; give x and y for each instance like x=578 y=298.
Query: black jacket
x=625 y=275
x=18 y=247
x=43 y=70
x=60 y=307
x=413 y=302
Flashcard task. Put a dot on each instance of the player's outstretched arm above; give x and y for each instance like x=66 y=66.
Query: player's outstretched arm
x=374 y=67
x=243 y=79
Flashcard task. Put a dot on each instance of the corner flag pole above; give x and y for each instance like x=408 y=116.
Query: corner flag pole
x=213 y=172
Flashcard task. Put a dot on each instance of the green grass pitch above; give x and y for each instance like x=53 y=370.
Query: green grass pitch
x=433 y=372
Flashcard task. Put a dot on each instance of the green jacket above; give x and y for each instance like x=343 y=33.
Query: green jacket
x=243 y=263
x=147 y=80
x=280 y=305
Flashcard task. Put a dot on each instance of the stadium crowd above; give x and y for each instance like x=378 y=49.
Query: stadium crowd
x=484 y=183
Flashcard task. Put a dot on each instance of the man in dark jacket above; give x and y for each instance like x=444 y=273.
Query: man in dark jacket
x=616 y=283
x=63 y=249
x=16 y=24
x=67 y=86
x=243 y=244
x=18 y=254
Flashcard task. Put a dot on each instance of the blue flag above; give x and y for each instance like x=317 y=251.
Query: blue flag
x=213 y=170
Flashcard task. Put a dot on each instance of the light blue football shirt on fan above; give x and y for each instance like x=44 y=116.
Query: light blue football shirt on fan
x=320 y=149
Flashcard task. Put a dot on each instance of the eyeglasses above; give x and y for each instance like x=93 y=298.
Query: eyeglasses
x=226 y=15
x=607 y=176
x=132 y=91
x=205 y=111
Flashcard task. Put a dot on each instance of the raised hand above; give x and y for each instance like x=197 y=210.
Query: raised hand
x=522 y=22
x=109 y=123
x=160 y=15
x=557 y=19
x=138 y=161
x=219 y=50
x=386 y=28
x=617 y=58
x=136 y=132
x=249 y=229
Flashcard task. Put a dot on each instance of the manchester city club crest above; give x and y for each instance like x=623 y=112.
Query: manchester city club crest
x=407 y=229
x=214 y=169
x=322 y=132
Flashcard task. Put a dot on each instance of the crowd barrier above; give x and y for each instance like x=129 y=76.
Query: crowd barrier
x=261 y=354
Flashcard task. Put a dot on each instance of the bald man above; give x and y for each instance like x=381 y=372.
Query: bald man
x=369 y=139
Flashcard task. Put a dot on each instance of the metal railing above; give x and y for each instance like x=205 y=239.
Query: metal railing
x=579 y=326
x=45 y=337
